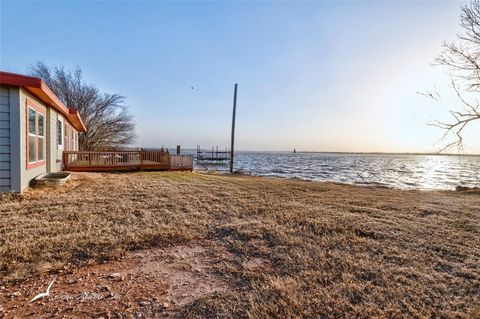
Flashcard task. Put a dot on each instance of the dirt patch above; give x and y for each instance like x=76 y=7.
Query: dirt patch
x=256 y=264
x=149 y=283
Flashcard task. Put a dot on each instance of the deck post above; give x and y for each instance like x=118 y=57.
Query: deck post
x=233 y=127
x=65 y=161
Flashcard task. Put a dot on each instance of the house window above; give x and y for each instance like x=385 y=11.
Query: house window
x=40 y=136
x=32 y=135
x=36 y=135
x=59 y=134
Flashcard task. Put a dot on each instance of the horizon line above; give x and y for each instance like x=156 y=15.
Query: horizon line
x=331 y=152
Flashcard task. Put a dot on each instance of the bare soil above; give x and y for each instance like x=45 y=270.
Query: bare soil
x=191 y=245
x=150 y=283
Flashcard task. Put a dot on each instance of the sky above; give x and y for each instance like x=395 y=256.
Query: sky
x=314 y=76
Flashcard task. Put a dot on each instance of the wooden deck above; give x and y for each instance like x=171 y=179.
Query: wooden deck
x=82 y=161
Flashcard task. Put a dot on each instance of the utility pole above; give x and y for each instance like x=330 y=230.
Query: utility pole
x=233 y=127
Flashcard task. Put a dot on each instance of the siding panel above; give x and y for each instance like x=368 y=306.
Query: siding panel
x=5 y=132
x=8 y=110
x=4 y=99
x=5 y=124
x=4 y=116
x=5 y=142
x=5 y=149
x=5 y=174
x=4 y=165
x=5 y=182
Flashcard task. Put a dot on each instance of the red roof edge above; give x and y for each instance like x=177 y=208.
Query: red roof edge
x=77 y=119
x=41 y=90
x=19 y=80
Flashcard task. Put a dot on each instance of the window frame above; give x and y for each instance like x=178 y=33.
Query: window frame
x=75 y=140
x=72 y=139
x=29 y=104
x=62 y=123
x=67 y=137
x=42 y=136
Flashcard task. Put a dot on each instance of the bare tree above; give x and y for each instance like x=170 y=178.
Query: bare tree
x=108 y=122
x=462 y=58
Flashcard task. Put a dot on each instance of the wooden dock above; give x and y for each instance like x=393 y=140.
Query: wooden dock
x=90 y=161
x=213 y=157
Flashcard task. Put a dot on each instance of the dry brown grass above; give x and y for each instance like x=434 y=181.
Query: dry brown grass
x=295 y=249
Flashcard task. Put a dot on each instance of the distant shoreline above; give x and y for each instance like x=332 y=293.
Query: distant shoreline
x=359 y=153
x=384 y=153
x=327 y=152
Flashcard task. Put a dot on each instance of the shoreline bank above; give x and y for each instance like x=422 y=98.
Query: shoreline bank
x=457 y=188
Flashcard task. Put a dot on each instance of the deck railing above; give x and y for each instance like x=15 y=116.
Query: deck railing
x=178 y=162
x=125 y=160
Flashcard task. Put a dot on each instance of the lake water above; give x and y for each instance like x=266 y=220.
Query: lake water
x=399 y=171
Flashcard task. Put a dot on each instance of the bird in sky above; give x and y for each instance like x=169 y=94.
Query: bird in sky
x=43 y=294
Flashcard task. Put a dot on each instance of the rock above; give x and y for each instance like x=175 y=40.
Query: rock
x=72 y=281
x=113 y=296
x=15 y=294
x=115 y=276
x=104 y=288
x=171 y=301
x=465 y=188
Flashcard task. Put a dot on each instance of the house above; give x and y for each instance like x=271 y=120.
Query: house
x=35 y=129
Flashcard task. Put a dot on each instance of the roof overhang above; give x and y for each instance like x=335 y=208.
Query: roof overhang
x=37 y=87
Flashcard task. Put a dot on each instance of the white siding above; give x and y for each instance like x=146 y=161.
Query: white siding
x=54 y=153
x=59 y=150
x=5 y=158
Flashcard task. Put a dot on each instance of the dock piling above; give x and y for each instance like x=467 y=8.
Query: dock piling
x=233 y=127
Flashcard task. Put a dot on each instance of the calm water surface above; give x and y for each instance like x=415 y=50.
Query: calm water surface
x=399 y=171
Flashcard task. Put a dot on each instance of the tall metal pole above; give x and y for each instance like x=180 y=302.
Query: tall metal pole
x=233 y=127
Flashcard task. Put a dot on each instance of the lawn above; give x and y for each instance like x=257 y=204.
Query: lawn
x=260 y=247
